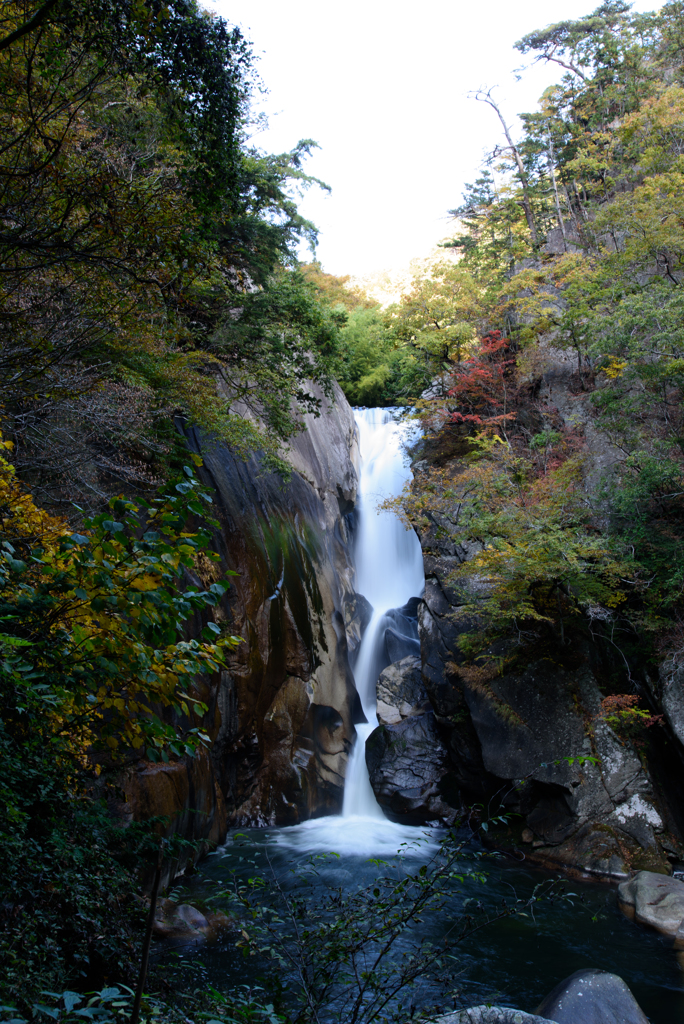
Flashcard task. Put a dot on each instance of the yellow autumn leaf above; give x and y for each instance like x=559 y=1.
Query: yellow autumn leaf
x=145 y=582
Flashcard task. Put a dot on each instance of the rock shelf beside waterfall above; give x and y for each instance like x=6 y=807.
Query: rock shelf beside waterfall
x=401 y=693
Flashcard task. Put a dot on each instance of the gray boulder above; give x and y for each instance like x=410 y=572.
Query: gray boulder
x=400 y=692
x=592 y=997
x=655 y=900
x=490 y=1015
x=409 y=770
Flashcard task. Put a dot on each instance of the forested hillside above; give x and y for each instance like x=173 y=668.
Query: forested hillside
x=144 y=246
x=570 y=271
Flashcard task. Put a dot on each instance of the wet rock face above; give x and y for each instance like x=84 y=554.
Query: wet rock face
x=407 y=762
x=282 y=714
x=281 y=754
x=401 y=693
x=592 y=997
x=187 y=794
x=409 y=770
x=357 y=614
x=524 y=738
x=672 y=696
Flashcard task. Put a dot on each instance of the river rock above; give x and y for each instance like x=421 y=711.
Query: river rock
x=401 y=693
x=186 y=923
x=592 y=997
x=491 y=1015
x=408 y=769
x=655 y=900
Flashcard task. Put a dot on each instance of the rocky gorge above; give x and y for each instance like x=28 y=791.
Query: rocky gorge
x=300 y=740
x=283 y=716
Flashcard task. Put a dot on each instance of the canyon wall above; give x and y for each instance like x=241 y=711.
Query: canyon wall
x=523 y=731
x=281 y=716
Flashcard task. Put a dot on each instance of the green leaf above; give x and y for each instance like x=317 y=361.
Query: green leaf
x=71 y=999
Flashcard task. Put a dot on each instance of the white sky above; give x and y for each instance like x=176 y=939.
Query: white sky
x=382 y=87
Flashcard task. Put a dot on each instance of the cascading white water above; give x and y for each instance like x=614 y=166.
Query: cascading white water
x=389 y=571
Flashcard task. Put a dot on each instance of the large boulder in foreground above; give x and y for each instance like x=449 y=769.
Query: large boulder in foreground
x=586 y=997
x=655 y=900
x=592 y=997
x=491 y=1015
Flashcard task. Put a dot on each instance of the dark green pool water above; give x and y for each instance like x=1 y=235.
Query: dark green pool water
x=513 y=962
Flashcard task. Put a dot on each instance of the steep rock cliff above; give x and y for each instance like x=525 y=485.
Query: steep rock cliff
x=531 y=739
x=282 y=714
x=522 y=737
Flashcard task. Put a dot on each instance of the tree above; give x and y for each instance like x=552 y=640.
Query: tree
x=141 y=239
x=526 y=197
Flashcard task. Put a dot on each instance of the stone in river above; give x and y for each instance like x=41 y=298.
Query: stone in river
x=491 y=1015
x=655 y=900
x=592 y=997
x=186 y=923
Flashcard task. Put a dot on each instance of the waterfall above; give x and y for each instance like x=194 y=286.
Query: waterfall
x=389 y=572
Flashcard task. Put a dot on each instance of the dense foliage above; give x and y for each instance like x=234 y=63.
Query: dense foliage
x=146 y=248
x=94 y=666
x=147 y=277
x=571 y=258
x=380 y=359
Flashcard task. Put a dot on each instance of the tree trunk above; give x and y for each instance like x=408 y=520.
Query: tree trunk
x=525 y=202
x=559 y=214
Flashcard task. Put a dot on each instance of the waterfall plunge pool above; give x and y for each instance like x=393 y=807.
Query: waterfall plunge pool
x=513 y=962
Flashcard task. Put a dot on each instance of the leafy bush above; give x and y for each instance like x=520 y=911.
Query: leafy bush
x=94 y=671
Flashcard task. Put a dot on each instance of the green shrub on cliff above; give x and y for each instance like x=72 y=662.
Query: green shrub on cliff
x=572 y=240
